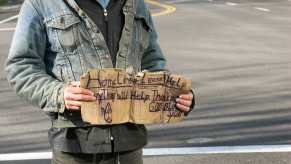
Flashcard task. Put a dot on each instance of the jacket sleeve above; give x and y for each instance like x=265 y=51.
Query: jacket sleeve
x=25 y=66
x=153 y=58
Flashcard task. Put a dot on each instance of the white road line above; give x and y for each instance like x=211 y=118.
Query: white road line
x=25 y=156
x=9 y=19
x=262 y=9
x=7 y=29
x=168 y=151
x=231 y=4
x=10 y=7
x=218 y=150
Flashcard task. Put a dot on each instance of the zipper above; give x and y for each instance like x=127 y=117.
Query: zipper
x=105 y=12
x=111 y=140
x=105 y=15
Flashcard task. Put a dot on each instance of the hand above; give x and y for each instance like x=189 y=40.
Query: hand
x=184 y=102
x=74 y=95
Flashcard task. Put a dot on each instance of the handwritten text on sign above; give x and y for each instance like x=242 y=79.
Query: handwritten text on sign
x=146 y=98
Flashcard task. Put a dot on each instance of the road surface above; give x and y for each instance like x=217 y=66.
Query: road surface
x=237 y=54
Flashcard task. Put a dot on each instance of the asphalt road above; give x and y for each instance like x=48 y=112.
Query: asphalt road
x=239 y=60
x=268 y=158
x=238 y=56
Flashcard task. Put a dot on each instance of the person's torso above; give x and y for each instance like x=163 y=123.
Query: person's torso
x=76 y=44
x=83 y=39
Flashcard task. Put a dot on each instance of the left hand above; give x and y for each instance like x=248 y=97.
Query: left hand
x=184 y=102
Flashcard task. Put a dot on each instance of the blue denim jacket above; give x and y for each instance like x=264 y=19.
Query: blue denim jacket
x=55 y=42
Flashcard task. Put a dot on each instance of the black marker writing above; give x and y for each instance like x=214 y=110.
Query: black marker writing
x=107 y=113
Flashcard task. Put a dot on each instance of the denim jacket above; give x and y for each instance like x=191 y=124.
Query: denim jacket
x=55 y=42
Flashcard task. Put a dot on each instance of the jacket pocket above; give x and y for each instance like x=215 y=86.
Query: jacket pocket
x=142 y=31
x=63 y=32
x=63 y=73
x=63 y=69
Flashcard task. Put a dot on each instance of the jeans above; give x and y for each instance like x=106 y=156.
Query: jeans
x=128 y=157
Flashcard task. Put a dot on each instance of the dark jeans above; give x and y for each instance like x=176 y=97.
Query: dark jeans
x=129 y=157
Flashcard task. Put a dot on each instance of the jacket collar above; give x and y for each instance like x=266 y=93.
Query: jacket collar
x=129 y=6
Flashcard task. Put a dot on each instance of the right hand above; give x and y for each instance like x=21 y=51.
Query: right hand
x=74 y=95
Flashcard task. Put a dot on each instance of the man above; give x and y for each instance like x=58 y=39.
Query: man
x=55 y=42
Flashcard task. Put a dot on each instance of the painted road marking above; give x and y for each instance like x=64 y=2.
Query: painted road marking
x=217 y=150
x=7 y=29
x=9 y=19
x=262 y=9
x=168 y=151
x=231 y=4
x=168 y=8
x=25 y=156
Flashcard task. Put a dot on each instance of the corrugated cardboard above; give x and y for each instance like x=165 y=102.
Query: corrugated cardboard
x=146 y=98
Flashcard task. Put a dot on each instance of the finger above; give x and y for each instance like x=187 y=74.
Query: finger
x=73 y=103
x=78 y=90
x=183 y=108
x=188 y=96
x=75 y=83
x=71 y=107
x=184 y=102
x=80 y=97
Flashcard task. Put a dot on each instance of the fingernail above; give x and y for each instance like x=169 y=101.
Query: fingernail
x=177 y=100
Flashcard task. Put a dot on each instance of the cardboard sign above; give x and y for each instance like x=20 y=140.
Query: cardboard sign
x=146 y=98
